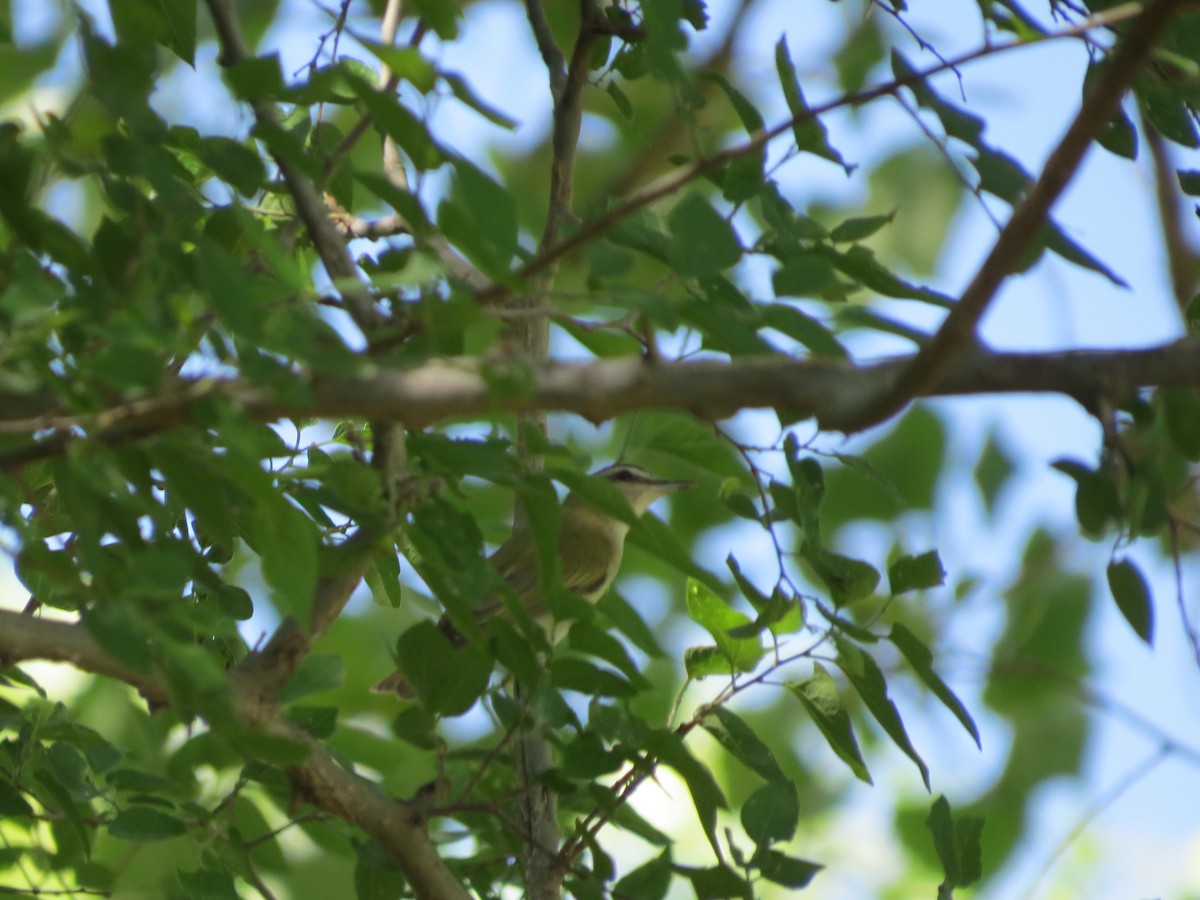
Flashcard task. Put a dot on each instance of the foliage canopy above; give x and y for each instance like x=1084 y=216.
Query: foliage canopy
x=256 y=372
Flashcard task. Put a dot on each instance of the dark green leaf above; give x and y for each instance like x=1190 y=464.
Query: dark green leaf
x=785 y=870
x=921 y=660
x=732 y=733
x=668 y=748
x=577 y=675
x=716 y=883
x=1181 y=408
x=447 y=680
x=957 y=843
x=316 y=673
x=144 y=824
x=649 y=881
x=808 y=131
x=916 y=573
x=858 y=229
x=702 y=242
x=771 y=813
x=866 y=676
x=848 y=579
x=1129 y=589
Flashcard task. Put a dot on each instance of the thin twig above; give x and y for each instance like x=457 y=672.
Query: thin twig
x=958 y=330
x=589 y=231
x=1118 y=790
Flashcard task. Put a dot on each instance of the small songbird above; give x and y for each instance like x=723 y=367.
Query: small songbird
x=590 y=544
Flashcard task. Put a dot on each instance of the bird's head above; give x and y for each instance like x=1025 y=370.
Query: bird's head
x=639 y=487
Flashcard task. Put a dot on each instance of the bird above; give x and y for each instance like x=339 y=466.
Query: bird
x=590 y=545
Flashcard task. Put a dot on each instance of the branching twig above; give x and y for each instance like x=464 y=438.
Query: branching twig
x=958 y=330
x=671 y=184
x=319 y=779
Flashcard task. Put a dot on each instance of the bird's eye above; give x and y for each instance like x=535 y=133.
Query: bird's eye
x=624 y=475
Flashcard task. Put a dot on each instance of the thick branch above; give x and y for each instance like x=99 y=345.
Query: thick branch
x=1024 y=229
x=441 y=390
x=397 y=826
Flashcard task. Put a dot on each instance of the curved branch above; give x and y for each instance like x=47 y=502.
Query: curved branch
x=399 y=827
x=1021 y=232
x=829 y=390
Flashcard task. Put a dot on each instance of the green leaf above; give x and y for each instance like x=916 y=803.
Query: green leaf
x=732 y=733
x=578 y=675
x=668 y=748
x=716 y=883
x=819 y=695
x=804 y=329
x=848 y=579
x=785 y=870
x=716 y=616
x=490 y=207
x=383 y=578
x=866 y=676
x=256 y=78
x=808 y=131
x=702 y=242
x=1096 y=500
x=318 y=721
x=957 y=843
x=587 y=638
x=649 y=881
x=447 y=680
x=921 y=660
x=397 y=122
x=804 y=275
x=916 y=573
x=1129 y=589
x=286 y=543
x=144 y=824
x=1181 y=408
x=316 y=673
x=858 y=229
x=771 y=813
x=465 y=95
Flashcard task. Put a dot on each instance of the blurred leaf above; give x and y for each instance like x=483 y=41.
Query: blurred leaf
x=785 y=870
x=848 y=579
x=915 y=573
x=957 y=842
x=808 y=131
x=716 y=883
x=1181 y=407
x=145 y=824
x=1129 y=589
x=702 y=241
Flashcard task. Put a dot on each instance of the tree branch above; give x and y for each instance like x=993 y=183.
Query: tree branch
x=958 y=330
x=399 y=827
x=313 y=212
x=605 y=223
x=441 y=390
